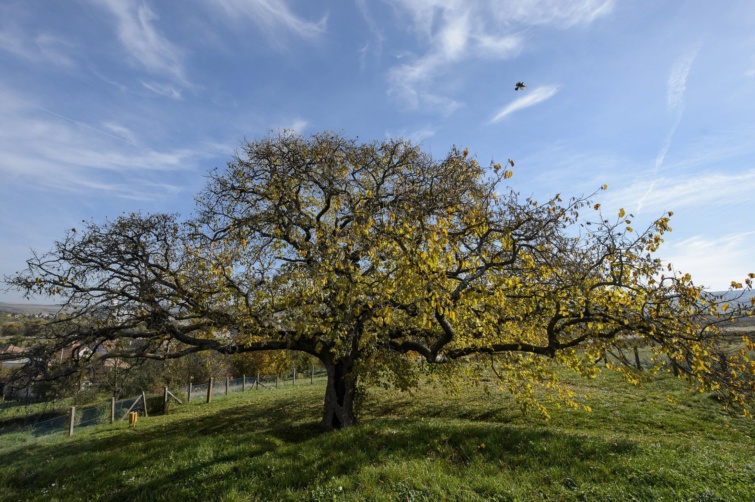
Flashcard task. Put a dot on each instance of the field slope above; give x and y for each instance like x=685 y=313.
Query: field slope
x=636 y=444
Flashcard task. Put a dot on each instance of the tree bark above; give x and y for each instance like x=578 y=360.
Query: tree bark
x=637 y=361
x=340 y=392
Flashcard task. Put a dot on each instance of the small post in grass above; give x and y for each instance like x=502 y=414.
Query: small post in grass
x=257 y=382
x=312 y=375
x=227 y=381
x=637 y=361
x=276 y=380
x=209 y=390
x=243 y=383
x=112 y=410
x=71 y=420
x=165 y=401
x=188 y=393
x=144 y=403
x=293 y=379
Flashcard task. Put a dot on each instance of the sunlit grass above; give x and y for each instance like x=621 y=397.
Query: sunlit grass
x=657 y=442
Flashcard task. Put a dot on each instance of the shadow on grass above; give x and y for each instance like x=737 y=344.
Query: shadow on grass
x=264 y=449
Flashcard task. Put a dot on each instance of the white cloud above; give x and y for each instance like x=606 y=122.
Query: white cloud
x=167 y=90
x=751 y=71
x=713 y=262
x=40 y=49
x=498 y=47
x=377 y=34
x=138 y=35
x=298 y=125
x=455 y=31
x=676 y=85
x=716 y=188
x=81 y=124
x=120 y=131
x=274 y=17
x=555 y=12
x=677 y=81
x=49 y=151
x=529 y=98
x=416 y=136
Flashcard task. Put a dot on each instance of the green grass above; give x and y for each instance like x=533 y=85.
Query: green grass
x=265 y=445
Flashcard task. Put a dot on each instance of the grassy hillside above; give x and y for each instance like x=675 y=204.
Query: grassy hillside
x=265 y=445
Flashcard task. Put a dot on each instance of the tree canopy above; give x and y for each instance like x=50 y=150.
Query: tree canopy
x=374 y=256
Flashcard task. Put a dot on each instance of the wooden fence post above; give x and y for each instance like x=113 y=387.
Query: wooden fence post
x=112 y=410
x=227 y=380
x=165 y=401
x=188 y=394
x=312 y=375
x=637 y=359
x=257 y=382
x=243 y=383
x=209 y=390
x=293 y=380
x=70 y=422
x=276 y=380
x=144 y=403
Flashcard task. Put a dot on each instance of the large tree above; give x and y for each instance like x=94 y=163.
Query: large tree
x=370 y=256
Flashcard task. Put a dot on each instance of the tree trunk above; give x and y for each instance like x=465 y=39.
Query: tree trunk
x=637 y=361
x=340 y=392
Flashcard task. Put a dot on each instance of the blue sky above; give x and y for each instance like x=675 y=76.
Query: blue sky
x=112 y=106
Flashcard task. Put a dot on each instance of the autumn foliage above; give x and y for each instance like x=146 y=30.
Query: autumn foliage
x=375 y=256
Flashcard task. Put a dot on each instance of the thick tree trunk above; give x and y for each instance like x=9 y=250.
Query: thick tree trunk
x=340 y=392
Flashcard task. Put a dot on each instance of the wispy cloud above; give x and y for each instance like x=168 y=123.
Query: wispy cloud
x=375 y=47
x=716 y=260
x=556 y=12
x=717 y=189
x=298 y=125
x=455 y=31
x=416 y=136
x=147 y=47
x=167 y=90
x=676 y=85
x=677 y=81
x=530 y=98
x=274 y=17
x=751 y=71
x=81 y=124
x=459 y=37
x=121 y=132
x=43 y=48
x=496 y=47
x=49 y=151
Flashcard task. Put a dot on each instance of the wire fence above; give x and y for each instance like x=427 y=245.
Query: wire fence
x=118 y=410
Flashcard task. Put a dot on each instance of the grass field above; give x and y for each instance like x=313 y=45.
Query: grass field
x=636 y=444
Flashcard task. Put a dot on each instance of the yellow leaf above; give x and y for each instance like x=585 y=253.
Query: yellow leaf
x=596 y=207
x=621 y=213
x=604 y=187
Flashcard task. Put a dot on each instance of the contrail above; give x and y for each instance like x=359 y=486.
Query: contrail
x=85 y=125
x=675 y=87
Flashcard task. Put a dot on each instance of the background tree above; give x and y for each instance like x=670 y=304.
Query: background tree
x=368 y=256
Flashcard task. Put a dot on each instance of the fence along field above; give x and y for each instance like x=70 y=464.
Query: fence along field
x=114 y=411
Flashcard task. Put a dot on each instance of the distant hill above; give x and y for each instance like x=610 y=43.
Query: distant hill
x=733 y=295
x=34 y=309
x=28 y=308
